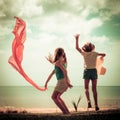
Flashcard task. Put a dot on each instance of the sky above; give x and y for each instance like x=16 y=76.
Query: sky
x=52 y=24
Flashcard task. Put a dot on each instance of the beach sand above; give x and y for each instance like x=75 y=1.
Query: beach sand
x=7 y=113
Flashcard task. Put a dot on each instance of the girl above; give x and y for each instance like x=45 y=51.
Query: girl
x=90 y=71
x=63 y=82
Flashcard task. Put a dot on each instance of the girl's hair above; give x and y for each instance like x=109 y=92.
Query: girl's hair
x=58 y=53
x=88 y=47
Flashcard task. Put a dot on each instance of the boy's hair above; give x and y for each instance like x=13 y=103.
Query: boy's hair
x=88 y=47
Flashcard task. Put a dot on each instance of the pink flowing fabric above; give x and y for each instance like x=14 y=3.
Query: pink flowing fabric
x=100 y=68
x=17 y=50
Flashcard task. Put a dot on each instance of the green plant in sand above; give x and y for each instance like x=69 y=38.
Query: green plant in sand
x=76 y=104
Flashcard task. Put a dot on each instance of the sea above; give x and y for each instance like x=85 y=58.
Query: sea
x=30 y=97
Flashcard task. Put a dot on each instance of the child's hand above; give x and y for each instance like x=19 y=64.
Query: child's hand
x=50 y=58
x=77 y=36
x=45 y=86
x=70 y=86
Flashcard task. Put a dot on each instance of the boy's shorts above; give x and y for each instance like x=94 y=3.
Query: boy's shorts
x=90 y=74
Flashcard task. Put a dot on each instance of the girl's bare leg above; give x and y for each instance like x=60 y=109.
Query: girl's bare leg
x=59 y=102
x=63 y=103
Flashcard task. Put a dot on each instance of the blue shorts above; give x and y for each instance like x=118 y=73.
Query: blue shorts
x=90 y=74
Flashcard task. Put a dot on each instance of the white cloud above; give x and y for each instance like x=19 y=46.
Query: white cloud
x=100 y=39
x=4 y=30
x=67 y=24
x=91 y=24
x=30 y=9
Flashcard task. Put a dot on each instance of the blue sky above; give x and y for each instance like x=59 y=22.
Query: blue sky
x=52 y=24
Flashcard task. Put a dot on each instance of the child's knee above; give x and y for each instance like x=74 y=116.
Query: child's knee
x=94 y=90
x=53 y=97
x=86 y=90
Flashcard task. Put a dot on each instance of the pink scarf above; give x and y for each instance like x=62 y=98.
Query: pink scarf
x=17 y=50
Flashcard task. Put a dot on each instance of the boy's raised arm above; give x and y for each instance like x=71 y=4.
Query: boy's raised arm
x=77 y=45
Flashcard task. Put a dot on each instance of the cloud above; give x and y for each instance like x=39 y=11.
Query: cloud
x=58 y=17
x=92 y=24
x=9 y=8
x=4 y=30
x=105 y=8
x=66 y=24
x=20 y=8
x=100 y=39
x=40 y=8
x=30 y=9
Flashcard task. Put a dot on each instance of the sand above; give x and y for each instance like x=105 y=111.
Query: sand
x=55 y=114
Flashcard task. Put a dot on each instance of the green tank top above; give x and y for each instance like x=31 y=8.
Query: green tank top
x=59 y=72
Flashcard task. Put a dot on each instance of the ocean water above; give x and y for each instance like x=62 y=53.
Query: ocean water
x=29 y=97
